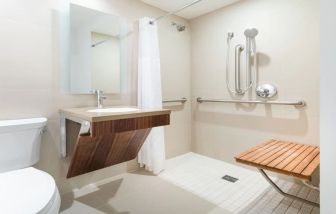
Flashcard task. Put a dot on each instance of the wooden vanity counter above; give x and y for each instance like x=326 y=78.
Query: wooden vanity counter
x=106 y=139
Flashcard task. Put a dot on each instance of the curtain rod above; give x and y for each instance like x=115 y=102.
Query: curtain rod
x=174 y=12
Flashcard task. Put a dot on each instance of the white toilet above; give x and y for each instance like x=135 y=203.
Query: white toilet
x=24 y=189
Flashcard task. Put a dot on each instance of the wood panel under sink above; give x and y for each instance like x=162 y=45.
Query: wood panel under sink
x=112 y=142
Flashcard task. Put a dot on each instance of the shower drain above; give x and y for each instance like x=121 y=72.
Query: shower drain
x=230 y=178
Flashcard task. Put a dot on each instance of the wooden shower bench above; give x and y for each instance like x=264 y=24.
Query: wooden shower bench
x=292 y=159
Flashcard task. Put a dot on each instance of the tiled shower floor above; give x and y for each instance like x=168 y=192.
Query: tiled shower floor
x=192 y=184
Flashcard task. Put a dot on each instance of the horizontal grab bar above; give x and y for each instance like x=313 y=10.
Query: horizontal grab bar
x=300 y=103
x=182 y=100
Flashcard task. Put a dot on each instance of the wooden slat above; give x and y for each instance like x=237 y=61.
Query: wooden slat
x=296 y=161
x=284 y=156
x=309 y=170
x=305 y=162
x=265 y=167
x=288 y=158
x=254 y=148
x=291 y=157
x=278 y=154
x=272 y=152
x=259 y=151
x=264 y=152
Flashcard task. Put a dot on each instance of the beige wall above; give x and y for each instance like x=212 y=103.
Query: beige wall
x=288 y=46
x=288 y=43
x=30 y=72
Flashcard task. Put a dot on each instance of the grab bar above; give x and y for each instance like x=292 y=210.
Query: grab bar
x=182 y=100
x=299 y=103
x=238 y=50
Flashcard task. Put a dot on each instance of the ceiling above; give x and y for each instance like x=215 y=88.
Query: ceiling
x=203 y=7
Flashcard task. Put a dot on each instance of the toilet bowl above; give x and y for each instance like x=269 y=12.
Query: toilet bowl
x=24 y=189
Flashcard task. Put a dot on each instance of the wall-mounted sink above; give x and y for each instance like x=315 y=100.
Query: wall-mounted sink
x=94 y=138
x=113 y=110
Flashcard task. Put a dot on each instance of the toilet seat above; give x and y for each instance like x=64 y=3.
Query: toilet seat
x=28 y=191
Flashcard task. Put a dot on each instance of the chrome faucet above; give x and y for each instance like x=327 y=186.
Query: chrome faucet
x=100 y=97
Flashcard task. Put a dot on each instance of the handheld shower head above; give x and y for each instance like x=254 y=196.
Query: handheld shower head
x=251 y=33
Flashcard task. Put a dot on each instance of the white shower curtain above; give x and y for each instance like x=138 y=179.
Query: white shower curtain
x=152 y=154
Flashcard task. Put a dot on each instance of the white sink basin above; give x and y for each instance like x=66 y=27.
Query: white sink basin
x=113 y=110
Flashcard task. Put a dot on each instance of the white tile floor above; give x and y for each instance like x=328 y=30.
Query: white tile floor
x=191 y=183
x=250 y=194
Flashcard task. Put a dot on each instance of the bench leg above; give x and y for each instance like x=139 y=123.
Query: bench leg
x=284 y=193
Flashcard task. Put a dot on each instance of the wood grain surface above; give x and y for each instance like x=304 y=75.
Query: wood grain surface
x=112 y=142
x=293 y=159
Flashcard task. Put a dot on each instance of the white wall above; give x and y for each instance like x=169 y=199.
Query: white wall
x=328 y=106
x=30 y=72
x=288 y=46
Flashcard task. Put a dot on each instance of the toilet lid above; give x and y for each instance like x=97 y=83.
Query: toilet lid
x=26 y=190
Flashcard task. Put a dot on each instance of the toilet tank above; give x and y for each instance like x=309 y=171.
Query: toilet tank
x=20 y=142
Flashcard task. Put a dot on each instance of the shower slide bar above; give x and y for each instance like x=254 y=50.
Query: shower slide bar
x=299 y=103
x=182 y=100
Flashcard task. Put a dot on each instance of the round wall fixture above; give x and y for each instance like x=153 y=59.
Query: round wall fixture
x=266 y=90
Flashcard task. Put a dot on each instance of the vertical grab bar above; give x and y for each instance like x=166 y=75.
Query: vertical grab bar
x=248 y=63
x=238 y=49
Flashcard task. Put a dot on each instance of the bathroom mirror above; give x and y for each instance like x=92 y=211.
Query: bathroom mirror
x=98 y=51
